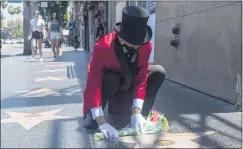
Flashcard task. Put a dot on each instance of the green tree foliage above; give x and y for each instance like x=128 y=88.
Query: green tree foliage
x=11 y=10
x=19 y=32
x=15 y=26
x=4 y=4
x=60 y=7
x=17 y=10
x=66 y=18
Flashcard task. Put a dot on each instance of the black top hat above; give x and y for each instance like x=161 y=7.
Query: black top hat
x=134 y=28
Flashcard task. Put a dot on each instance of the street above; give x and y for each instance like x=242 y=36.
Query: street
x=41 y=107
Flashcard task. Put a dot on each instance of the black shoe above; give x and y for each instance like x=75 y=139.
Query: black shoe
x=89 y=122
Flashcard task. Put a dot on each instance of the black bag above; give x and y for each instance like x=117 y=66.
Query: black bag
x=47 y=44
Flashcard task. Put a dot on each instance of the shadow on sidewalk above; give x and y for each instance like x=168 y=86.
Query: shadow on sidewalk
x=176 y=101
x=34 y=99
x=6 y=56
x=83 y=139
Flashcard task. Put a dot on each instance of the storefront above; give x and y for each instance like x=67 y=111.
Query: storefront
x=94 y=14
x=151 y=6
x=91 y=29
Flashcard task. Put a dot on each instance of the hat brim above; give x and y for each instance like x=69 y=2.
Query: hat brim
x=146 y=39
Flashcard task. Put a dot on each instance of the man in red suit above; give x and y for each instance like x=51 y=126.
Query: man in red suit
x=119 y=72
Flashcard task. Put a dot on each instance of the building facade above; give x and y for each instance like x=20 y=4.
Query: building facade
x=77 y=10
x=198 y=43
x=109 y=12
x=208 y=57
x=94 y=13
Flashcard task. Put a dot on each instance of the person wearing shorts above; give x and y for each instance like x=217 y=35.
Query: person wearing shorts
x=55 y=34
x=37 y=34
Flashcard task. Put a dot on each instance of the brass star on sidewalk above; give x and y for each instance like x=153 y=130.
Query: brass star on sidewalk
x=29 y=120
x=57 y=70
x=46 y=91
x=167 y=140
x=50 y=78
x=56 y=65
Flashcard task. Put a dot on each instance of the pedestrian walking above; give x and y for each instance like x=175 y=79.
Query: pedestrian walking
x=55 y=34
x=36 y=34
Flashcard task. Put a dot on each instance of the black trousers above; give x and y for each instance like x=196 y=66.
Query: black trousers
x=111 y=85
x=110 y=89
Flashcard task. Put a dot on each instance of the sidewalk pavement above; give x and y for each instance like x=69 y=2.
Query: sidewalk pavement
x=41 y=107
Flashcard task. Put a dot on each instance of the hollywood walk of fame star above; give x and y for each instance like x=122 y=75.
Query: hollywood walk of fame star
x=46 y=91
x=56 y=65
x=50 y=78
x=167 y=140
x=57 y=70
x=81 y=74
x=29 y=120
x=60 y=64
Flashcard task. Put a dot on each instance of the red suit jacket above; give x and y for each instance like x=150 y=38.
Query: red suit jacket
x=104 y=58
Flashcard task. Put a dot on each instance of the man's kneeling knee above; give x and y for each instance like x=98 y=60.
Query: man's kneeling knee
x=158 y=70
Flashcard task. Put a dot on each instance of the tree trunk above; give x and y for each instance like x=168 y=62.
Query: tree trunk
x=29 y=8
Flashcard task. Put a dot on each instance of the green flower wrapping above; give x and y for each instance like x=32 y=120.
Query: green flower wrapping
x=156 y=123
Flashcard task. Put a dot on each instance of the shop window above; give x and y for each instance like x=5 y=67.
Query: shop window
x=99 y=20
x=142 y=4
x=138 y=3
x=132 y=3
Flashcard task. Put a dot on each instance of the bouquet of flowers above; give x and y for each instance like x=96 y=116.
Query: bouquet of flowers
x=156 y=123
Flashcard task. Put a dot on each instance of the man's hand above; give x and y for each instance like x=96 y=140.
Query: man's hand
x=100 y=120
x=109 y=131
x=138 y=121
x=136 y=110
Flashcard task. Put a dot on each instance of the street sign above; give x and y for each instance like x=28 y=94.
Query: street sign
x=44 y=4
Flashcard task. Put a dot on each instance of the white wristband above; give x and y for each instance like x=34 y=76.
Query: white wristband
x=138 y=103
x=96 y=112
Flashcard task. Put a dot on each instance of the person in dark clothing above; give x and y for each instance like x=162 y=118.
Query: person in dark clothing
x=119 y=74
x=99 y=30
x=76 y=31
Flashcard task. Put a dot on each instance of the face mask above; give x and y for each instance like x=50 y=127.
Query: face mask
x=130 y=53
x=129 y=49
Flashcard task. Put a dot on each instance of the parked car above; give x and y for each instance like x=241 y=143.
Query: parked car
x=13 y=41
x=7 y=41
x=20 y=40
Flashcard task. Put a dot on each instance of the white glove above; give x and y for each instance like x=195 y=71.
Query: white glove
x=109 y=131
x=138 y=121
